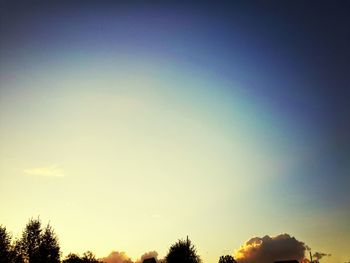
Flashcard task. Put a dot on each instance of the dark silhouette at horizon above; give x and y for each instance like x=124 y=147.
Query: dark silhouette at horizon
x=149 y=260
x=41 y=245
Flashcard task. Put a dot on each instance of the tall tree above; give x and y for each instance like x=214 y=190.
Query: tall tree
x=182 y=251
x=38 y=245
x=49 y=249
x=5 y=246
x=30 y=241
x=17 y=252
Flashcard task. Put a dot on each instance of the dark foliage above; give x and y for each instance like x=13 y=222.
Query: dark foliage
x=182 y=252
x=5 y=246
x=49 y=249
x=88 y=257
x=38 y=245
x=149 y=260
x=72 y=258
x=227 y=259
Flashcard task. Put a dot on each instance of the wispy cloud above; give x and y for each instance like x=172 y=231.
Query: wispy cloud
x=51 y=171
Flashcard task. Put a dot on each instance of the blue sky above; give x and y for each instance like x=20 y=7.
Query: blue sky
x=212 y=120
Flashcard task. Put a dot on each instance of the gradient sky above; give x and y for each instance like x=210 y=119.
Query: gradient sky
x=128 y=126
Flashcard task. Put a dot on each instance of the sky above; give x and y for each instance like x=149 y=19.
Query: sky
x=130 y=125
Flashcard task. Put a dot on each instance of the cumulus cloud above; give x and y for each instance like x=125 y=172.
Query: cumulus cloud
x=52 y=170
x=117 y=257
x=122 y=257
x=269 y=249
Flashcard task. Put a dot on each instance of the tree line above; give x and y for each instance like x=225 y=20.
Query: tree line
x=39 y=244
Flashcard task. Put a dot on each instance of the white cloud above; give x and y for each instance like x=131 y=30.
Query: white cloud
x=52 y=171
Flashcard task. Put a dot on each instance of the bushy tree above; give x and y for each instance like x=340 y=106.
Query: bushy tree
x=38 y=245
x=227 y=259
x=182 y=251
x=88 y=257
x=17 y=253
x=30 y=241
x=10 y=252
x=5 y=246
x=72 y=258
x=49 y=248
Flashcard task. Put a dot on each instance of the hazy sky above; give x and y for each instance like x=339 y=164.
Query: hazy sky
x=128 y=126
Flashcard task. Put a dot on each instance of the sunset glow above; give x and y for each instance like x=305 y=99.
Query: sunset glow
x=129 y=126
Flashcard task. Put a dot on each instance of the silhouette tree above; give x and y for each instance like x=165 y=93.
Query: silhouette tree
x=88 y=257
x=6 y=254
x=149 y=260
x=49 y=249
x=30 y=241
x=38 y=246
x=182 y=252
x=227 y=259
x=17 y=252
x=72 y=258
